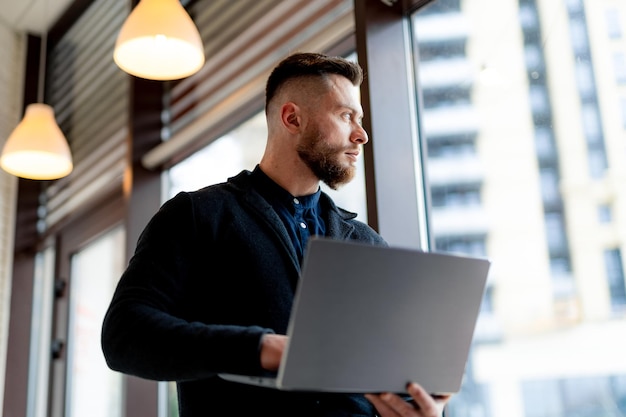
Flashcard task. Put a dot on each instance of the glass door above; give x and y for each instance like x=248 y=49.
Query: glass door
x=92 y=388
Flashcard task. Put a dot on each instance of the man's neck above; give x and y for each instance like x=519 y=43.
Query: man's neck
x=297 y=182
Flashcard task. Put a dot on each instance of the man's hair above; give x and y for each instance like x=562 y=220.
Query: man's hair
x=310 y=64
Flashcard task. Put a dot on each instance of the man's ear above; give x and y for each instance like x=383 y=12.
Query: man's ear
x=290 y=117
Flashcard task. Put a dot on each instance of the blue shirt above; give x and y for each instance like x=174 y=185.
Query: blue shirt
x=300 y=215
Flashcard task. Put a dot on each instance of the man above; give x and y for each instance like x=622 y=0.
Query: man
x=211 y=284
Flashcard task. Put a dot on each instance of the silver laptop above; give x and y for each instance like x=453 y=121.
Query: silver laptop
x=370 y=319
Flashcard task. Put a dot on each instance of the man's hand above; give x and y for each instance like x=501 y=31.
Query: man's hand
x=390 y=405
x=272 y=347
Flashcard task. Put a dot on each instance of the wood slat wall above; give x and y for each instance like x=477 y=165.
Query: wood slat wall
x=90 y=95
x=12 y=51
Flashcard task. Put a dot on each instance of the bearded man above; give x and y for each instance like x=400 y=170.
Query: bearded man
x=211 y=284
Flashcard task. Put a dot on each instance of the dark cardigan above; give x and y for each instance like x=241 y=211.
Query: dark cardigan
x=213 y=271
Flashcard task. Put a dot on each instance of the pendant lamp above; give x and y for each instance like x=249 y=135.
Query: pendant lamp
x=37 y=148
x=159 y=41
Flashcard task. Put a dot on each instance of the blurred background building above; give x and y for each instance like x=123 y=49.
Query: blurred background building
x=524 y=118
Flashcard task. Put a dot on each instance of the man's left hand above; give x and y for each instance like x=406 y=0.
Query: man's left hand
x=391 y=405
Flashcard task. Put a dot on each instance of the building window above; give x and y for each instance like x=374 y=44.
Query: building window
x=555 y=230
x=544 y=144
x=584 y=78
x=538 y=99
x=591 y=124
x=549 y=178
x=597 y=162
x=605 y=214
x=615 y=277
x=528 y=16
x=613 y=25
x=619 y=65
x=578 y=33
x=471 y=245
x=459 y=195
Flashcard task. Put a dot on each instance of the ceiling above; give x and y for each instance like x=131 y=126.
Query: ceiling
x=35 y=16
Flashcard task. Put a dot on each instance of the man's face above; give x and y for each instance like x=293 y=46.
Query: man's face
x=333 y=137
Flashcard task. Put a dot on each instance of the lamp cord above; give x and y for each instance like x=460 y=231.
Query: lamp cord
x=42 y=56
x=42 y=68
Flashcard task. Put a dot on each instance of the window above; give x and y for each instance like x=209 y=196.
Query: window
x=544 y=143
x=555 y=231
x=591 y=124
x=538 y=99
x=456 y=195
x=615 y=276
x=613 y=25
x=556 y=292
x=605 y=214
x=619 y=64
x=579 y=36
x=597 y=162
x=468 y=244
x=549 y=185
x=584 y=78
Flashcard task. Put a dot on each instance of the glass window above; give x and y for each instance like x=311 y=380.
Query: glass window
x=605 y=213
x=93 y=389
x=456 y=195
x=556 y=295
x=591 y=124
x=597 y=162
x=544 y=143
x=584 y=77
x=619 y=64
x=555 y=231
x=532 y=55
x=239 y=149
x=615 y=275
x=579 y=36
x=613 y=25
x=527 y=16
x=549 y=184
x=538 y=99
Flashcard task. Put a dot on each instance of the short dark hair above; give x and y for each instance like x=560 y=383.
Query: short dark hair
x=304 y=64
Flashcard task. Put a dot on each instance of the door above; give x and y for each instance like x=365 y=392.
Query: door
x=90 y=257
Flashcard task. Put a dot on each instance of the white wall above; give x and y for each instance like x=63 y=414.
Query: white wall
x=12 y=57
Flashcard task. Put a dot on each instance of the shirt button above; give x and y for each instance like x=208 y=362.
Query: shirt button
x=296 y=201
x=303 y=225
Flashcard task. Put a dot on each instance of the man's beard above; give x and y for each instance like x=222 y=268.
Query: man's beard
x=322 y=159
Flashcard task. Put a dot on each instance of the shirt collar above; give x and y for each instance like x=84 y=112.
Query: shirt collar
x=275 y=193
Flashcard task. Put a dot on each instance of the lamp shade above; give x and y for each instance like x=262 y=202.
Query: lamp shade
x=159 y=41
x=37 y=149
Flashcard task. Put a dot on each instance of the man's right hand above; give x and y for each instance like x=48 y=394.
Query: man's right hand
x=272 y=347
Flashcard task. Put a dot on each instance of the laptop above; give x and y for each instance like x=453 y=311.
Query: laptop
x=371 y=319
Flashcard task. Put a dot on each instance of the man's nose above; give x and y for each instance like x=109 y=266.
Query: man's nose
x=360 y=136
